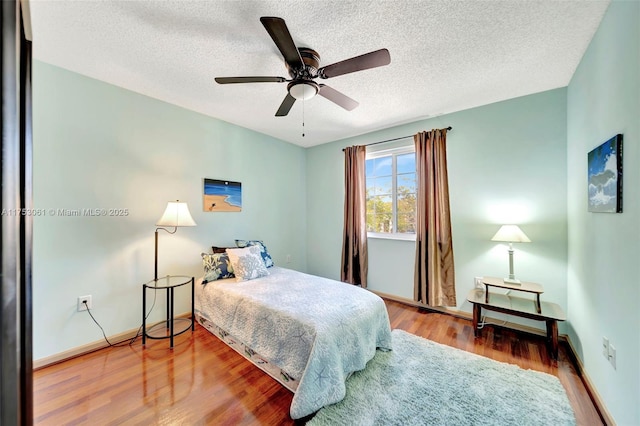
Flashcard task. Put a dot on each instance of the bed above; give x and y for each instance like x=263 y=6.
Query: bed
x=307 y=332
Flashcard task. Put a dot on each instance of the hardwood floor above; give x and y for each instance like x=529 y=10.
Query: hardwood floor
x=203 y=381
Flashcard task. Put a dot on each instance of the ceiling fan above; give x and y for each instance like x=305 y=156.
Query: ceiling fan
x=303 y=66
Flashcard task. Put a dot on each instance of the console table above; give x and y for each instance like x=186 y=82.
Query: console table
x=549 y=312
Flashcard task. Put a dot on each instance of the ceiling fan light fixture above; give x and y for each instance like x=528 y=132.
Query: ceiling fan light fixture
x=303 y=90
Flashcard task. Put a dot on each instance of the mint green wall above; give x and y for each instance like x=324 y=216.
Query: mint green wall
x=507 y=164
x=100 y=146
x=604 y=268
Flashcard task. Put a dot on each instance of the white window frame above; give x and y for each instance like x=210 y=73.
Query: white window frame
x=395 y=151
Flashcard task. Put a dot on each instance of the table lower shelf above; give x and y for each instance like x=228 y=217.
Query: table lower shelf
x=549 y=312
x=162 y=330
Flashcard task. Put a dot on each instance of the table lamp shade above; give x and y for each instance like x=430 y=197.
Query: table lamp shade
x=511 y=234
x=176 y=214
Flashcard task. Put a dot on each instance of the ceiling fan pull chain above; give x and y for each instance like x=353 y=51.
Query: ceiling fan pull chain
x=303 y=117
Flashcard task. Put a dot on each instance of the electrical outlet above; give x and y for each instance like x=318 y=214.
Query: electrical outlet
x=477 y=282
x=605 y=347
x=81 y=304
x=612 y=356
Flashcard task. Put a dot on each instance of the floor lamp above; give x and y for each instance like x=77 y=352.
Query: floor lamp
x=175 y=215
x=511 y=234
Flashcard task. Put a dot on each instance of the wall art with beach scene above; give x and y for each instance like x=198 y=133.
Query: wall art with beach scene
x=222 y=196
x=605 y=177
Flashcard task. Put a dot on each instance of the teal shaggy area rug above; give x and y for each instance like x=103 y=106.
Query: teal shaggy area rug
x=422 y=382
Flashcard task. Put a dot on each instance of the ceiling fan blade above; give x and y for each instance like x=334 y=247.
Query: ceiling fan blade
x=285 y=106
x=231 y=80
x=338 y=98
x=369 y=60
x=279 y=32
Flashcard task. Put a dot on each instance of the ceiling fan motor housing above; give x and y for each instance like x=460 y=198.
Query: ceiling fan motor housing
x=311 y=61
x=302 y=86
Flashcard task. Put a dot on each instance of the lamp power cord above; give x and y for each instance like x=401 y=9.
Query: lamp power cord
x=483 y=319
x=121 y=344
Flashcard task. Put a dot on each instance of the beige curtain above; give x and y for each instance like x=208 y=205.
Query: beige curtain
x=434 y=282
x=354 y=239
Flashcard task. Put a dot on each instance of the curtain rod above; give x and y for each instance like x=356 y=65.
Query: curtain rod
x=396 y=139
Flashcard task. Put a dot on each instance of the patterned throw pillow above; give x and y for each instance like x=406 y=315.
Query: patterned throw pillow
x=216 y=267
x=268 y=262
x=247 y=263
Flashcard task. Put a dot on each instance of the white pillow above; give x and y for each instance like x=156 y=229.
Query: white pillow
x=247 y=263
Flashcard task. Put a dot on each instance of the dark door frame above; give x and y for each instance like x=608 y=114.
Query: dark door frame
x=16 y=388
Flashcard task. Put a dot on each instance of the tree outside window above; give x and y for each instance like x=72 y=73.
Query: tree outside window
x=391 y=192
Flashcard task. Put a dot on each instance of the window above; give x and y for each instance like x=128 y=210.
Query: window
x=391 y=191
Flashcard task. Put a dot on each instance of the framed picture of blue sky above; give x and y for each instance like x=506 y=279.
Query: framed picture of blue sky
x=605 y=177
x=222 y=196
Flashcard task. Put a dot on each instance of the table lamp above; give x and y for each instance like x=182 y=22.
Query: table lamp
x=176 y=214
x=511 y=234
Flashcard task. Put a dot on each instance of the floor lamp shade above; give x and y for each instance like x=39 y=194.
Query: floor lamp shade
x=511 y=234
x=175 y=215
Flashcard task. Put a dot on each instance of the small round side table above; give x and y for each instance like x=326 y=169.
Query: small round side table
x=172 y=326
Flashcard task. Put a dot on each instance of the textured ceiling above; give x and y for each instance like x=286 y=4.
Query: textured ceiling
x=446 y=56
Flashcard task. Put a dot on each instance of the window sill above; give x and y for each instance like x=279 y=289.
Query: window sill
x=383 y=236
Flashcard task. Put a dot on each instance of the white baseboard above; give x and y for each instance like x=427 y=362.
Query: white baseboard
x=91 y=347
x=81 y=350
x=461 y=314
x=591 y=389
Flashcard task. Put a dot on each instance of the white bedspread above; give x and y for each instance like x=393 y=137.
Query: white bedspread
x=316 y=329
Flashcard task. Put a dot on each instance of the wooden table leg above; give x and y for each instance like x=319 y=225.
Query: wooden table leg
x=476 y=319
x=552 y=336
